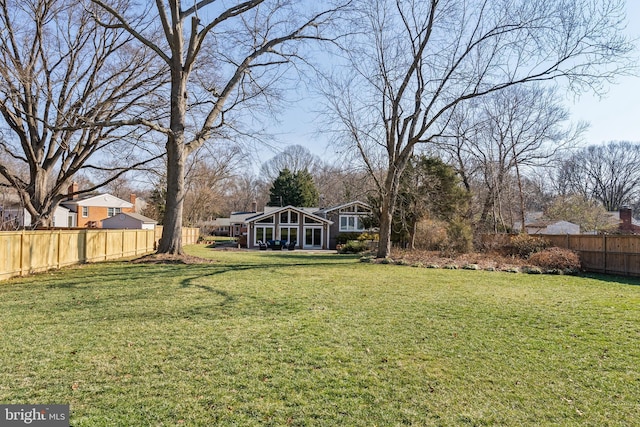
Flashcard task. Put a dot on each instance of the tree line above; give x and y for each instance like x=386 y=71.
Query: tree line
x=102 y=87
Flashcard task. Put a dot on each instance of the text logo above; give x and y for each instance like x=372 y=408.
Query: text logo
x=34 y=415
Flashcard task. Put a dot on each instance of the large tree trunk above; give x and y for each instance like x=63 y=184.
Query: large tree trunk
x=171 y=240
x=391 y=188
x=38 y=205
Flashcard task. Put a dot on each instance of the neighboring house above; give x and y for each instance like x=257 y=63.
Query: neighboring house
x=15 y=216
x=220 y=226
x=552 y=227
x=290 y=224
x=536 y=224
x=347 y=218
x=129 y=221
x=237 y=225
x=90 y=209
x=627 y=223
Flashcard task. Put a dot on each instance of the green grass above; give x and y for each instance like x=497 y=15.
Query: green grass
x=321 y=340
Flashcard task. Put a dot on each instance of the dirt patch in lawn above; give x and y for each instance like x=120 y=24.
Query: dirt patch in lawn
x=172 y=259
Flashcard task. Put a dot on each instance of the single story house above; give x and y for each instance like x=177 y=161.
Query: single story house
x=129 y=221
x=219 y=226
x=552 y=227
x=289 y=224
x=309 y=227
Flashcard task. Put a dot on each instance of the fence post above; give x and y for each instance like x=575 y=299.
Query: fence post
x=604 y=253
x=22 y=253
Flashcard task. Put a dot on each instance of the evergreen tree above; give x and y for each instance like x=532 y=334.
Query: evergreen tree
x=429 y=188
x=295 y=189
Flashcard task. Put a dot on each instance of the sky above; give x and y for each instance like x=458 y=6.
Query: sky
x=612 y=117
x=615 y=117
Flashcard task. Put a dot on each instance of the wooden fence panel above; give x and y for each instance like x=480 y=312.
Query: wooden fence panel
x=190 y=236
x=610 y=254
x=25 y=252
x=72 y=247
x=10 y=254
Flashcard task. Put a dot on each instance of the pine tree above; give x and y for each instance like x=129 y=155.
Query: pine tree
x=296 y=189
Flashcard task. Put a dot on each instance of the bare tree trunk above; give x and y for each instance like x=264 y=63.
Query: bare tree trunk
x=171 y=241
x=386 y=218
x=391 y=188
x=523 y=229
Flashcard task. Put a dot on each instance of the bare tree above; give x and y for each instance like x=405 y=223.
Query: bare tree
x=235 y=52
x=64 y=83
x=502 y=135
x=608 y=173
x=296 y=158
x=416 y=62
x=207 y=179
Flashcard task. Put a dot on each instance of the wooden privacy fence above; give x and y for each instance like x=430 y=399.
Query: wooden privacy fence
x=190 y=236
x=26 y=252
x=609 y=254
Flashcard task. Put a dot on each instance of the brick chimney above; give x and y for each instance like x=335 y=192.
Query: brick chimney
x=625 y=218
x=254 y=206
x=73 y=188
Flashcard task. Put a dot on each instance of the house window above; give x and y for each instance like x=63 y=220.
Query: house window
x=288 y=217
x=351 y=223
x=113 y=211
x=267 y=220
x=263 y=234
x=85 y=211
x=289 y=234
x=309 y=220
x=313 y=237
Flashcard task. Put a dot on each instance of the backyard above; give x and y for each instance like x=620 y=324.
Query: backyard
x=269 y=338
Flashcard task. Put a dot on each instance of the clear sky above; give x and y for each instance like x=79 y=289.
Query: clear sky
x=615 y=116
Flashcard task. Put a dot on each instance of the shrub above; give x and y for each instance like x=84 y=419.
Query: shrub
x=343 y=238
x=369 y=236
x=431 y=235
x=354 y=247
x=556 y=259
x=459 y=237
x=524 y=245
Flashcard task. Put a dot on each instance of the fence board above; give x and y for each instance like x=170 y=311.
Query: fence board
x=610 y=254
x=26 y=252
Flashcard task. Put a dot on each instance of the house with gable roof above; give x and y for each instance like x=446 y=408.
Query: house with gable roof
x=289 y=224
x=89 y=210
x=308 y=227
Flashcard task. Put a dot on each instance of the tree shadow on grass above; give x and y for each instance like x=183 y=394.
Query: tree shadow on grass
x=189 y=281
x=623 y=280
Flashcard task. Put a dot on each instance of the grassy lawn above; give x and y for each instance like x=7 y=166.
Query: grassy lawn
x=311 y=340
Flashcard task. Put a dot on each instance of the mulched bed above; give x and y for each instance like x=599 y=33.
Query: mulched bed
x=476 y=261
